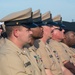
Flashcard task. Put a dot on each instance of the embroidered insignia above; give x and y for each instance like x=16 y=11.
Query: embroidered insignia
x=54 y=51
x=38 y=59
x=27 y=64
x=56 y=54
x=50 y=56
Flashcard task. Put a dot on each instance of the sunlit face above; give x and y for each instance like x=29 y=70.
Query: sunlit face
x=37 y=32
x=24 y=35
x=48 y=30
x=58 y=33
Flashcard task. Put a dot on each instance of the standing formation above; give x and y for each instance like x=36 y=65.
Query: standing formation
x=32 y=43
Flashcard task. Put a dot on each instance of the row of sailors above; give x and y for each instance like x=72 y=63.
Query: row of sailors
x=34 y=47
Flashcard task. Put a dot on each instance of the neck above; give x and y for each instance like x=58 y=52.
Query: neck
x=56 y=39
x=16 y=42
x=32 y=42
x=44 y=39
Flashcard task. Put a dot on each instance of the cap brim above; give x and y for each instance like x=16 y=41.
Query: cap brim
x=52 y=24
x=63 y=26
x=58 y=24
x=31 y=25
x=40 y=23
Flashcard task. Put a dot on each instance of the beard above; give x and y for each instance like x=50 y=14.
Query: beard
x=36 y=37
x=33 y=38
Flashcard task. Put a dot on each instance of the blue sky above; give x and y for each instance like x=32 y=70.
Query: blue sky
x=66 y=8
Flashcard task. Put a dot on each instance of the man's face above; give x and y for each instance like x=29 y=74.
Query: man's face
x=48 y=31
x=57 y=32
x=37 y=32
x=24 y=35
x=72 y=38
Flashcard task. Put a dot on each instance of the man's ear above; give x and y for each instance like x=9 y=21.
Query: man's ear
x=16 y=32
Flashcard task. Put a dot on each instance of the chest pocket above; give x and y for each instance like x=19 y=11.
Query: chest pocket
x=39 y=61
x=28 y=68
x=53 y=56
x=27 y=64
x=56 y=55
x=52 y=61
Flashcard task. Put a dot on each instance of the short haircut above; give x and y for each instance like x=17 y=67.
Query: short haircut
x=9 y=29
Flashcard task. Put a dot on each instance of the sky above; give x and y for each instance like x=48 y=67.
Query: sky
x=66 y=8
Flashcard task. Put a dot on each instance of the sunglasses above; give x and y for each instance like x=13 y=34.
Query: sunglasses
x=60 y=29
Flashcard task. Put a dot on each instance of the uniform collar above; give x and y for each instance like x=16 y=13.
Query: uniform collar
x=2 y=38
x=51 y=40
x=32 y=48
x=14 y=48
x=42 y=43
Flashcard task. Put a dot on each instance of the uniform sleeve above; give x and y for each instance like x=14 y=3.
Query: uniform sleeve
x=11 y=65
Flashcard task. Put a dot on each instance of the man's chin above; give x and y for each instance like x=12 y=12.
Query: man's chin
x=37 y=37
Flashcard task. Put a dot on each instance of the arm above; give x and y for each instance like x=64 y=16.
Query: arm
x=66 y=71
x=69 y=66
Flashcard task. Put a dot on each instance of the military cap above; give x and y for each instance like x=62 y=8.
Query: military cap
x=37 y=17
x=3 y=27
x=47 y=19
x=23 y=18
x=58 y=20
